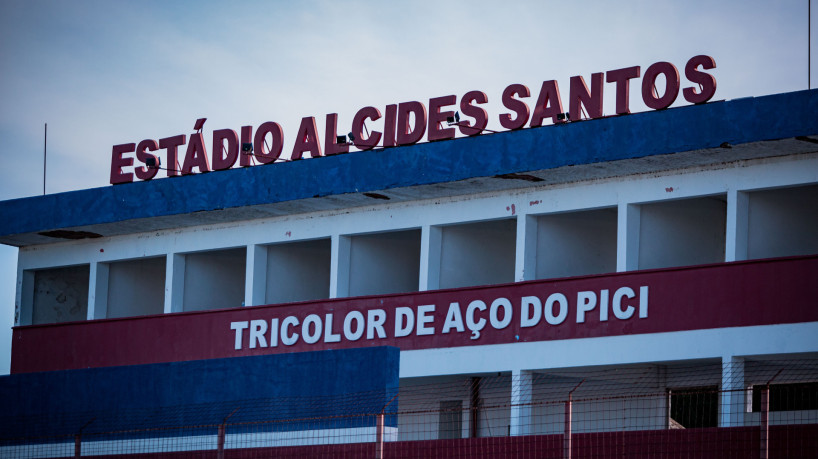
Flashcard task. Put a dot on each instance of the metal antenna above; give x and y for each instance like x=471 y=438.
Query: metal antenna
x=45 y=145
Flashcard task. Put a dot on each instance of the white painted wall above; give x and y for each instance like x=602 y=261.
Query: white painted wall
x=214 y=279
x=683 y=232
x=136 y=287
x=57 y=294
x=783 y=222
x=576 y=243
x=383 y=263
x=298 y=271
x=479 y=253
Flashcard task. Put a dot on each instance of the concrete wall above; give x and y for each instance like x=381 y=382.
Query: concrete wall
x=734 y=182
x=783 y=222
x=59 y=294
x=479 y=253
x=576 y=243
x=384 y=263
x=683 y=232
x=298 y=271
x=136 y=287
x=214 y=279
x=199 y=392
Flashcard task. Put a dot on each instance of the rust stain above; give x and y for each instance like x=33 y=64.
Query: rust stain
x=289 y=233
x=669 y=189
x=534 y=203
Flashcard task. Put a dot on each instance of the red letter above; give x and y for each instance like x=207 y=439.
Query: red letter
x=221 y=163
x=407 y=136
x=146 y=173
x=358 y=128
x=307 y=139
x=118 y=162
x=330 y=144
x=436 y=117
x=259 y=148
x=196 y=155
x=549 y=104
x=389 y=125
x=171 y=144
x=706 y=81
x=481 y=117
x=649 y=95
x=579 y=94
x=622 y=79
x=246 y=157
x=517 y=106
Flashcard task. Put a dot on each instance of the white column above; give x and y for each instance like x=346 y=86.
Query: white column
x=627 y=237
x=733 y=397
x=174 y=283
x=738 y=220
x=255 y=279
x=522 y=383
x=430 y=247
x=24 y=299
x=339 y=267
x=98 y=291
x=525 y=265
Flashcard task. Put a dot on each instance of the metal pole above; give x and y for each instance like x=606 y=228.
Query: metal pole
x=220 y=446
x=379 y=437
x=566 y=437
x=77 y=445
x=45 y=145
x=765 y=423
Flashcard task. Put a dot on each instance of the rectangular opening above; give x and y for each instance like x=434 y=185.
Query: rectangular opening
x=384 y=263
x=694 y=407
x=682 y=233
x=450 y=425
x=788 y=397
x=480 y=253
x=298 y=271
x=576 y=243
x=60 y=294
x=783 y=222
x=136 y=287
x=214 y=279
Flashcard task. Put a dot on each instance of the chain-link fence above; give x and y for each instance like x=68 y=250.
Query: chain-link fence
x=748 y=408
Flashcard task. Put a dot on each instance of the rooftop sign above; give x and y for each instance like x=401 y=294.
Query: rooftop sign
x=407 y=123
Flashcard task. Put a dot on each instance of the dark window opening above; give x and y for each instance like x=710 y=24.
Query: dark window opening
x=694 y=407
x=788 y=397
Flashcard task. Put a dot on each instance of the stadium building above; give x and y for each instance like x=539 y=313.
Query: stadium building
x=638 y=282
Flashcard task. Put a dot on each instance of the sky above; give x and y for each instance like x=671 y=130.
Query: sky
x=103 y=73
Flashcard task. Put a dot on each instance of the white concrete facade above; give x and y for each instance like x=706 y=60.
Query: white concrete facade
x=674 y=218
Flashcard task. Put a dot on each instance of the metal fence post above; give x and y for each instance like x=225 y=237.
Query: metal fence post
x=379 y=437
x=765 y=423
x=223 y=434
x=77 y=445
x=566 y=437
x=220 y=444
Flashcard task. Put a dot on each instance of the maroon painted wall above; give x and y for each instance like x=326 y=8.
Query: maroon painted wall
x=761 y=292
x=794 y=441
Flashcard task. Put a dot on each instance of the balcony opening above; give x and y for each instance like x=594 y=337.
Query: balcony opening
x=480 y=253
x=298 y=271
x=576 y=243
